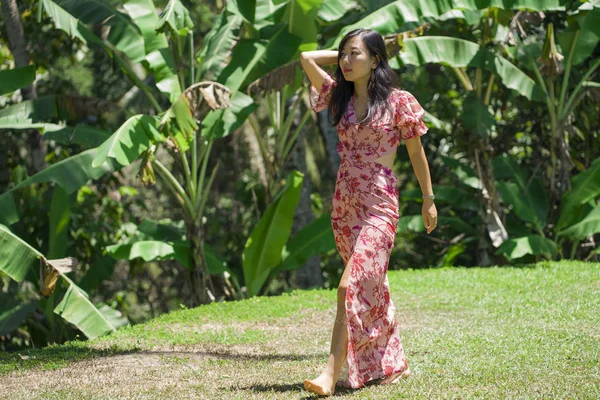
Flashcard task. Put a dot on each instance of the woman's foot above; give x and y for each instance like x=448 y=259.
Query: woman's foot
x=395 y=378
x=323 y=386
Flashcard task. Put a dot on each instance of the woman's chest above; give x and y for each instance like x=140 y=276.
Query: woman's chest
x=366 y=138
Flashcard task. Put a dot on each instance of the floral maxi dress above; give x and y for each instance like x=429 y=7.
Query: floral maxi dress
x=364 y=218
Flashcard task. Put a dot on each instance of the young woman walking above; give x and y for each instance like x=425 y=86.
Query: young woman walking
x=373 y=115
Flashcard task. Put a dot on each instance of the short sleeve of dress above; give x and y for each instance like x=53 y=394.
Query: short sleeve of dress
x=320 y=100
x=408 y=116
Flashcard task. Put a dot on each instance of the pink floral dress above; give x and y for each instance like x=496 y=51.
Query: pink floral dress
x=364 y=218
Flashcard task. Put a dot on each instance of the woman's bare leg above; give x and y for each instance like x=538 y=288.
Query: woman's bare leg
x=325 y=383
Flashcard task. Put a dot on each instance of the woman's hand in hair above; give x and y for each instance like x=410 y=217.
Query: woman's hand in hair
x=311 y=62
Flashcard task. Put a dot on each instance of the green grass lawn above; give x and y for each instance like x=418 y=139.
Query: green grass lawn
x=518 y=333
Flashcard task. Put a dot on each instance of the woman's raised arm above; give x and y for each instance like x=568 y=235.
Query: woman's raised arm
x=311 y=62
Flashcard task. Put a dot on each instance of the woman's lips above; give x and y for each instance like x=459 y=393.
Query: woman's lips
x=347 y=70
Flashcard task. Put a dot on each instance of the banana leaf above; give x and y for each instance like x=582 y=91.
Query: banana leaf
x=301 y=18
x=263 y=249
x=19 y=260
x=12 y=312
x=216 y=49
x=528 y=199
x=125 y=146
x=16 y=78
x=123 y=34
x=176 y=18
x=460 y=53
x=76 y=29
x=333 y=10
x=70 y=174
x=314 y=239
x=531 y=244
x=476 y=117
x=404 y=15
x=590 y=225
x=584 y=187
x=158 y=54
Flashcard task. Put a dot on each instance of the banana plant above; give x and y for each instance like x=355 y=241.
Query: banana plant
x=21 y=262
x=577 y=42
x=579 y=216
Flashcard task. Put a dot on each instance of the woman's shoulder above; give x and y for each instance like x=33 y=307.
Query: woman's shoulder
x=399 y=94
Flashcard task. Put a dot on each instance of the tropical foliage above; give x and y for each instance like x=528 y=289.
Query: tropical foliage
x=219 y=114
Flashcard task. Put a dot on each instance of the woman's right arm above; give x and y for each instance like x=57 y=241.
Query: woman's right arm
x=311 y=61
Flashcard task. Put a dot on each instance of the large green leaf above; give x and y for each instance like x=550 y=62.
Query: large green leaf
x=269 y=12
x=158 y=54
x=252 y=58
x=123 y=34
x=16 y=78
x=220 y=123
x=77 y=308
x=301 y=18
x=132 y=138
x=532 y=244
x=177 y=18
x=333 y=10
x=17 y=258
x=60 y=214
x=39 y=109
x=584 y=29
x=216 y=48
x=476 y=117
x=263 y=249
x=12 y=312
x=156 y=250
x=315 y=238
x=407 y=14
x=245 y=9
x=83 y=135
x=584 y=187
x=461 y=53
x=150 y=250
x=590 y=225
x=162 y=230
x=528 y=199
x=76 y=29
x=17 y=123
x=70 y=174
x=179 y=122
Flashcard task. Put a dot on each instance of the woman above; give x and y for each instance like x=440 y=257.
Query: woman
x=372 y=116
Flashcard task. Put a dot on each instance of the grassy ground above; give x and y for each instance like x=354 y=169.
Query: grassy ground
x=518 y=333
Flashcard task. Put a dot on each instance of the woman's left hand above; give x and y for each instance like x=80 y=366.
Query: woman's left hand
x=429 y=213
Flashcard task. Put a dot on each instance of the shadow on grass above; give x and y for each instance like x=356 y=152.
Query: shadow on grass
x=294 y=387
x=225 y=355
x=54 y=357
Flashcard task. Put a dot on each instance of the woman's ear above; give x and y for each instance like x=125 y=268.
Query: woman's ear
x=376 y=60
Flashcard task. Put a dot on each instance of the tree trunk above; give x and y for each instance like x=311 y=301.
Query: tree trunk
x=309 y=275
x=492 y=211
x=200 y=283
x=18 y=47
x=331 y=140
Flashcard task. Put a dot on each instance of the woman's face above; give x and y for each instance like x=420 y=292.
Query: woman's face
x=355 y=62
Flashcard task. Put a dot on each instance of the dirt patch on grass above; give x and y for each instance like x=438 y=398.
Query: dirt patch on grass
x=211 y=371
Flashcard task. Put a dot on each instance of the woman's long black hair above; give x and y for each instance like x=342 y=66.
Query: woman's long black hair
x=385 y=78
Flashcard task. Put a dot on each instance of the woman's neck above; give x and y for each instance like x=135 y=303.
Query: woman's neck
x=360 y=89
